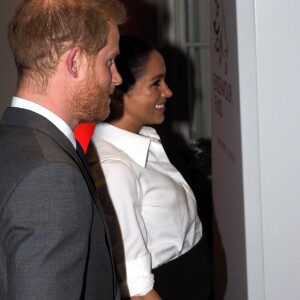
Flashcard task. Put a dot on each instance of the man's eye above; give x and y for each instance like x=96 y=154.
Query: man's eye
x=110 y=61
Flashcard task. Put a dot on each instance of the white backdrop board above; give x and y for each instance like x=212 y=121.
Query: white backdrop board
x=256 y=151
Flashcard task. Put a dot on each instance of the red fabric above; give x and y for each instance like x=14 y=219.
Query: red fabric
x=83 y=134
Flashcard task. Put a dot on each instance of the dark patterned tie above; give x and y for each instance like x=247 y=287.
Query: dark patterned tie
x=82 y=156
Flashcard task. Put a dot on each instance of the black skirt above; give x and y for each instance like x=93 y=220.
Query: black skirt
x=189 y=277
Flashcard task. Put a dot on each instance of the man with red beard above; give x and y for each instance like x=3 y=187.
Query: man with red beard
x=54 y=242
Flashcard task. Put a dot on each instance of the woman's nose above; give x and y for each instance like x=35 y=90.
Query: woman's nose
x=167 y=92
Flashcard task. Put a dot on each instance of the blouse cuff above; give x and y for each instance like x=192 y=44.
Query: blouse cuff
x=137 y=280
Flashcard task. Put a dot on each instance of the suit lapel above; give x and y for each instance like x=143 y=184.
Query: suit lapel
x=83 y=164
x=89 y=179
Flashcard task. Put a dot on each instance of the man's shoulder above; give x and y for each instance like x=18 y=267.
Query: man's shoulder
x=22 y=141
x=24 y=149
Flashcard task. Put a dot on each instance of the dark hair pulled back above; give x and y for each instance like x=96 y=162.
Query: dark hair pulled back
x=131 y=64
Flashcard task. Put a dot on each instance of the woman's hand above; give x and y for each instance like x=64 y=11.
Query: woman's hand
x=152 y=295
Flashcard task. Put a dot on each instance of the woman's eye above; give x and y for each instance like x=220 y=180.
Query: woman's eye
x=156 y=83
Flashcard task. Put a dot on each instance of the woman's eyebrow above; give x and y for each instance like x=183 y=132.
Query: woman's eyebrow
x=158 y=76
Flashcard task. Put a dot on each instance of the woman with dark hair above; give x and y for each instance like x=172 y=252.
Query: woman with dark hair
x=157 y=239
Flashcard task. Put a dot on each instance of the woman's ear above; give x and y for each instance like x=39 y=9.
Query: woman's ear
x=74 y=60
x=126 y=96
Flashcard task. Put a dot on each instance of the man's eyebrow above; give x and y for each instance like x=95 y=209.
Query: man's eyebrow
x=115 y=53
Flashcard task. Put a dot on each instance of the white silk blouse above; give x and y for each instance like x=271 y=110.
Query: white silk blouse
x=151 y=210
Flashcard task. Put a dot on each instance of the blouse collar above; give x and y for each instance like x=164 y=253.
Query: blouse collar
x=136 y=146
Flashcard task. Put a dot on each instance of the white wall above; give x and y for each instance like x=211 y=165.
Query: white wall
x=8 y=74
x=278 y=44
x=256 y=193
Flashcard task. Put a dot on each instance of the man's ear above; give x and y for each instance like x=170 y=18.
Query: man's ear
x=73 y=61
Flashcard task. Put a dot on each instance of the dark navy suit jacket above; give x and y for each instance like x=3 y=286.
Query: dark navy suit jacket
x=53 y=239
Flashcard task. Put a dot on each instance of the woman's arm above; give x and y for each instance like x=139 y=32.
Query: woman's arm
x=122 y=207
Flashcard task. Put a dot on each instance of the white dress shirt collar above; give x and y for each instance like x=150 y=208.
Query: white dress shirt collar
x=53 y=118
x=136 y=146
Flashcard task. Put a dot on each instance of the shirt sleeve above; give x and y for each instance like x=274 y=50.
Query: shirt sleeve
x=123 y=205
